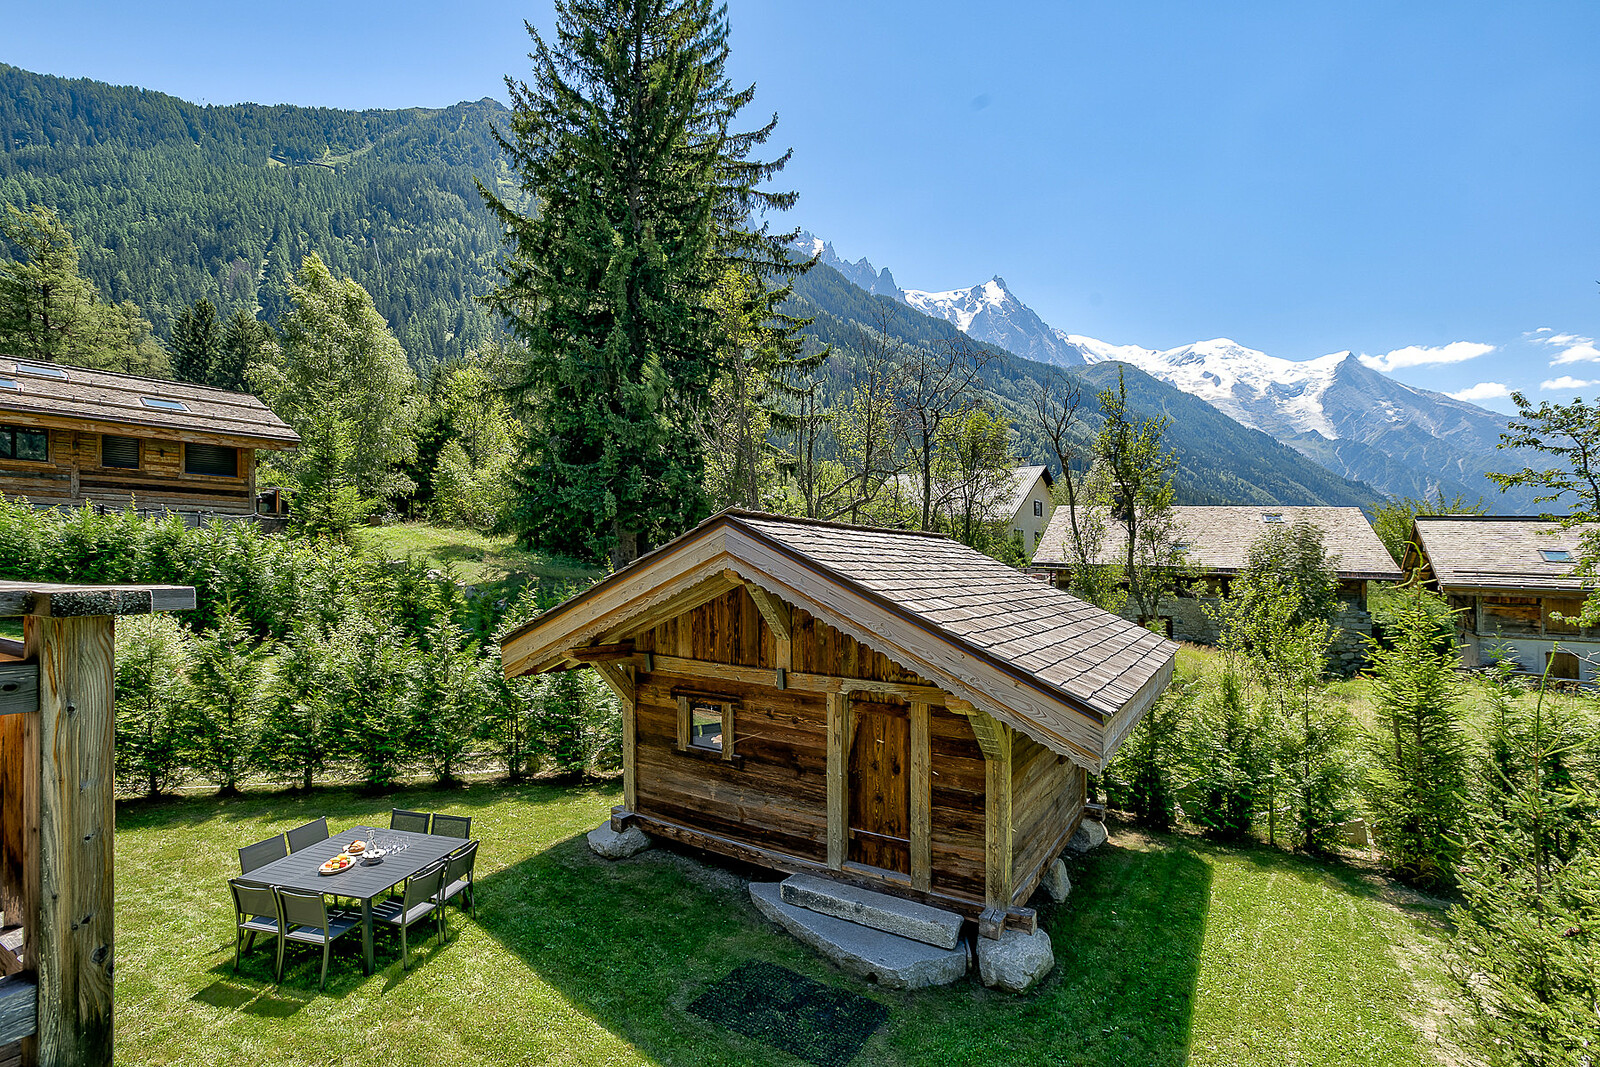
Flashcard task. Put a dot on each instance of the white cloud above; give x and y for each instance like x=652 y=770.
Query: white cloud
x=1543 y=329
x=1566 y=381
x=1423 y=355
x=1582 y=352
x=1564 y=339
x=1482 y=391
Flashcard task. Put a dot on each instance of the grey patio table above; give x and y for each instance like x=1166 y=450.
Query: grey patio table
x=298 y=870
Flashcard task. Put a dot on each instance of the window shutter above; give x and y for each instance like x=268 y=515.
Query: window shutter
x=119 y=452
x=211 y=459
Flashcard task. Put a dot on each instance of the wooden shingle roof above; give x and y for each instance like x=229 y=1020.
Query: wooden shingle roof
x=58 y=394
x=1217 y=540
x=1071 y=676
x=1497 y=553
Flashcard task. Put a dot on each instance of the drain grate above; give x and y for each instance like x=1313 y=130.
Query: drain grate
x=790 y=1012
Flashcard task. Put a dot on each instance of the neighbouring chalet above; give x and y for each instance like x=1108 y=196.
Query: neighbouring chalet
x=1511 y=583
x=1216 y=543
x=880 y=707
x=1022 y=503
x=70 y=436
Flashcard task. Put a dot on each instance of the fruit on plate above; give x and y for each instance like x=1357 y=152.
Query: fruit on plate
x=356 y=846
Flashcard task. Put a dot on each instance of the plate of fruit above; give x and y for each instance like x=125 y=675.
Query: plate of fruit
x=355 y=848
x=342 y=861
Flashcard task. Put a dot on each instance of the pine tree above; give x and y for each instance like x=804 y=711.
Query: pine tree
x=154 y=734
x=228 y=672
x=644 y=196
x=244 y=340
x=1414 y=791
x=196 y=343
x=298 y=724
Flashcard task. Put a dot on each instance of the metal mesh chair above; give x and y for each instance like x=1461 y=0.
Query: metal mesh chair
x=419 y=901
x=255 y=911
x=305 y=918
x=415 y=821
x=458 y=876
x=258 y=855
x=452 y=826
x=309 y=834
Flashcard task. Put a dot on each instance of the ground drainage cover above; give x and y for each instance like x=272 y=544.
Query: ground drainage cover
x=789 y=1011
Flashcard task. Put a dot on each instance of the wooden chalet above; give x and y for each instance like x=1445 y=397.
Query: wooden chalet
x=1513 y=585
x=887 y=708
x=71 y=436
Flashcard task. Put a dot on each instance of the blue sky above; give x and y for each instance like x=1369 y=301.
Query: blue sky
x=1412 y=182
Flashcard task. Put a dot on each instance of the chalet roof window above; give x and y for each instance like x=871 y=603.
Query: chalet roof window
x=17 y=442
x=1180 y=546
x=161 y=403
x=41 y=370
x=10 y=385
x=1555 y=555
x=1271 y=516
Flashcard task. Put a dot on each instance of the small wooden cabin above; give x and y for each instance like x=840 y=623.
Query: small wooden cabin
x=888 y=708
x=72 y=436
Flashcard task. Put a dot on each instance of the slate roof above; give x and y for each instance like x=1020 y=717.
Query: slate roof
x=1218 y=539
x=1498 y=552
x=1091 y=655
x=105 y=396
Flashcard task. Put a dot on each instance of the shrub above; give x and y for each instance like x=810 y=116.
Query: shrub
x=1226 y=757
x=297 y=725
x=1140 y=777
x=152 y=704
x=226 y=682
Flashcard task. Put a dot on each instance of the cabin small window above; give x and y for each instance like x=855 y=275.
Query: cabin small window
x=1038 y=509
x=163 y=404
x=1555 y=555
x=19 y=443
x=41 y=370
x=705 y=725
x=119 y=452
x=211 y=459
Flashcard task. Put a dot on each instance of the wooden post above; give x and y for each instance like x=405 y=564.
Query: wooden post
x=838 y=779
x=621 y=681
x=921 y=788
x=995 y=739
x=70 y=933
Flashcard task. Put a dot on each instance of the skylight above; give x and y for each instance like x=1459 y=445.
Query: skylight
x=41 y=370
x=10 y=385
x=1272 y=516
x=162 y=403
x=1556 y=555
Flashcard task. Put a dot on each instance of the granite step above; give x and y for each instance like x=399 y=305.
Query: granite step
x=890 y=961
x=892 y=915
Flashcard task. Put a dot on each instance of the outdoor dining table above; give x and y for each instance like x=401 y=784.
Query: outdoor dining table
x=362 y=882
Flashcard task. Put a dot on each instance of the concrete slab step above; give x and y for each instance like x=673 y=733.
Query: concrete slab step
x=892 y=915
x=892 y=962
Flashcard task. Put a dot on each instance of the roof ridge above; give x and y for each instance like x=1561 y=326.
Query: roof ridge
x=801 y=520
x=131 y=377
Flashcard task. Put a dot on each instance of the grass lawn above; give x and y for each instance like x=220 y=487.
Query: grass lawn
x=473 y=557
x=1171 y=950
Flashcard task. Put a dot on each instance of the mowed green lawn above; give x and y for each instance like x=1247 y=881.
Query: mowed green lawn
x=1170 y=951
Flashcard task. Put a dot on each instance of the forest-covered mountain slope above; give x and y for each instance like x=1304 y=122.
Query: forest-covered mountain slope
x=1219 y=460
x=172 y=201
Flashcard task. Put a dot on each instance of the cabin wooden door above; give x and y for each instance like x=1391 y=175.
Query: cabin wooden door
x=880 y=800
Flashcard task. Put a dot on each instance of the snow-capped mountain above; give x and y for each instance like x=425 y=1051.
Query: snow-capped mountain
x=1334 y=409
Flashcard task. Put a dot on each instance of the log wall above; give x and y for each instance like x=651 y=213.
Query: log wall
x=74 y=476
x=774 y=793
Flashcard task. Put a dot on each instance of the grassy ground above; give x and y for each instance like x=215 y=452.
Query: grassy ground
x=1170 y=951
x=476 y=558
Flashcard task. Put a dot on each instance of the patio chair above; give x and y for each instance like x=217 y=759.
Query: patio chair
x=452 y=826
x=309 y=834
x=305 y=918
x=458 y=876
x=258 y=855
x=255 y=911
x=419 y=901
x=415 y=821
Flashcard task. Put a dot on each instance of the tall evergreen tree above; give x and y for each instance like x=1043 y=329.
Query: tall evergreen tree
x=243 y=341
x=643 y=195
x=196 y=343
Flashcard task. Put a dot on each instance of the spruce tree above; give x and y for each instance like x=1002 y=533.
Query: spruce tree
x=244 y=341
x=1414 y=790
x=639 y=195
x=196 y=343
